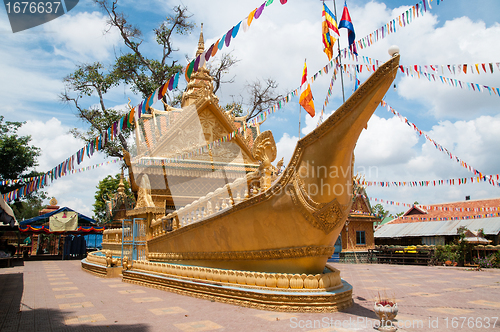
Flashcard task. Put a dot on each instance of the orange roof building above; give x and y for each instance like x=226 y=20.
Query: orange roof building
x=475 y=209
x=438 y=223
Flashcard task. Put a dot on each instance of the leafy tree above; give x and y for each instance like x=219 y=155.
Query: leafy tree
x=87 y=80
x=106 y=189
x=379 y=210
x=17 y=157
x=30 y=206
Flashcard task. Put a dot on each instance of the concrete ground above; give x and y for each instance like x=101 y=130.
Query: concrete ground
x=60 y=296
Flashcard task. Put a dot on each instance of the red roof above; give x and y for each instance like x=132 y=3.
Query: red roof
x=481 y=208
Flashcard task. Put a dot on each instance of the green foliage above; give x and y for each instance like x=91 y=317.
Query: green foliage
x=490 y=261
x=29 y=207
x=106 y=189
x=87 y=80
x=379 y=210
x=460 y=251
x=400 y=214
x=235 y=108
x=445 y=253
x=464 y=248
x=16 y=155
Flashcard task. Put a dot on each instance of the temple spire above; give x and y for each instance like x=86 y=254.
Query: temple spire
x=201 y=43
x=201 y=81
x=121 y=186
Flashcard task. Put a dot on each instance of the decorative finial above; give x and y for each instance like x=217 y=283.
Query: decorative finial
x=201 y=43
x=121 y=185
x=393 y=50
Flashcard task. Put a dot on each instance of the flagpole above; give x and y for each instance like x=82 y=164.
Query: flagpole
x=300 y=117
x=340 y=57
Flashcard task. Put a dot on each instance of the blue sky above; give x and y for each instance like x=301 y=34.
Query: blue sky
x=35 y=61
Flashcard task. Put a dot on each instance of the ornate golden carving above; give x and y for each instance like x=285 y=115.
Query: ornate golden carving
x=329 y=216
x=255 y=280
x=144 y=194
x=308 y=251
x=284 y=299
x=264 y=150
x=322 y=216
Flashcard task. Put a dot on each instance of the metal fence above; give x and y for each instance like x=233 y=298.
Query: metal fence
x=134 y=239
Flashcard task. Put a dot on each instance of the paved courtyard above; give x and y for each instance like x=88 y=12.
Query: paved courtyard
x=60 y=296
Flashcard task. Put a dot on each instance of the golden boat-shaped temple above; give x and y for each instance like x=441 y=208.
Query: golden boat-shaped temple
x=225 y=223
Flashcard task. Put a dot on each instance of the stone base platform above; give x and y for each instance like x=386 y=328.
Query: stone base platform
x=101 y=270
x=263 y=291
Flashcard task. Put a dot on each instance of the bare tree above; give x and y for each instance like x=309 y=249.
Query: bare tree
x=262 y=95
x=221 y=68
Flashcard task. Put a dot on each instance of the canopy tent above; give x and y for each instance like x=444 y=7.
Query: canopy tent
x=63 y=220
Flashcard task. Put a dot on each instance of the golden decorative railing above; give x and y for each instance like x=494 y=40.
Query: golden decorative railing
x=277 y=281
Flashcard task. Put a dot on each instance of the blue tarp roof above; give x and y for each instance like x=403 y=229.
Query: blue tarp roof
x=82 y=219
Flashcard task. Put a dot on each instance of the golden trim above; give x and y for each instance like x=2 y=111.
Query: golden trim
x=281 y=253
x=322 y=302
x=246 y=279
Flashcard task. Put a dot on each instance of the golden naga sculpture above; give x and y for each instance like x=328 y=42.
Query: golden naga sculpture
x=267 y=221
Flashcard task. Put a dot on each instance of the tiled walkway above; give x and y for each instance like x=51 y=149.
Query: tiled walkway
x=59 y=296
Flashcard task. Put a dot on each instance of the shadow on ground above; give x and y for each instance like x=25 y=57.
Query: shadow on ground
x=358 y=310
x=16 y=316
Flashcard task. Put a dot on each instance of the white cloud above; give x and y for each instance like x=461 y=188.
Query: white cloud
x=385 y=142
x=474 y=142
x=286 y=146
x=53 y=139
x=82 y=37
x=75 y=191
x=459 y=41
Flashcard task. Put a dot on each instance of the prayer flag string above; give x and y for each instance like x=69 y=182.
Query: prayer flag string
x=491 y=179
x=35 y=183
x=436 y=144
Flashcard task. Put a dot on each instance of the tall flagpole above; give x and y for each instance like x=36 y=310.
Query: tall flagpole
x=300 y=106
x=340 y=57
x=300 y=117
